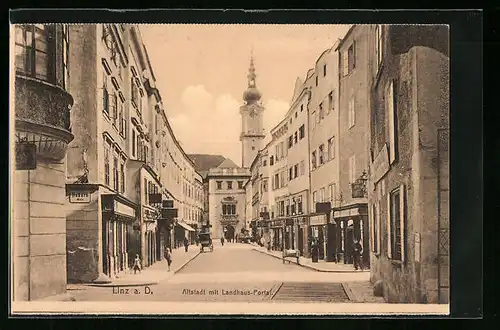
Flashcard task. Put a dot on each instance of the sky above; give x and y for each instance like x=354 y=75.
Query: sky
x=201 y=73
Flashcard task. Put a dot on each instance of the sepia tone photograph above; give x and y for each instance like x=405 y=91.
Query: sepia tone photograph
x=229 y=169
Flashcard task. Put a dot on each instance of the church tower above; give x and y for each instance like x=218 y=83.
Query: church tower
x=252 y=126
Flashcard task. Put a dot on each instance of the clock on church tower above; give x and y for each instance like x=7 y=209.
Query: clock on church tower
x=252 y=130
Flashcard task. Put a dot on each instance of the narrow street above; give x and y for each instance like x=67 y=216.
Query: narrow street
x=234 y=273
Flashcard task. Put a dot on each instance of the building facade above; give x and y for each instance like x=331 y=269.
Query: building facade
x=409 y=172
x=42 y=132
x=227 y=199
x=351 y=213
x=124 y=162
x=324 y=146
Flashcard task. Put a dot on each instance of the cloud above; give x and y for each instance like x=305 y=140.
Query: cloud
x=212 y=124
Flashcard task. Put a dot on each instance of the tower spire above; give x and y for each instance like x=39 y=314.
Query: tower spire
x=251 y=71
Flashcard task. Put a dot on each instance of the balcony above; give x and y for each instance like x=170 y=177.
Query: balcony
x=42 y=112
x=229 y=219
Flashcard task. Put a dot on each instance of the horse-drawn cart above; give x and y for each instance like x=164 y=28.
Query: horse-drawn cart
x=205 y=241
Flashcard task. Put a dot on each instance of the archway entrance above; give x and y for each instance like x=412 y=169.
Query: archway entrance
x=229 y=232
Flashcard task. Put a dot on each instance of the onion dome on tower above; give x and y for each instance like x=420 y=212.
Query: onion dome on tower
x=252 y=94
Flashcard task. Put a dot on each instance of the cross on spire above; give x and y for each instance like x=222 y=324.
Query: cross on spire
x=251 y=71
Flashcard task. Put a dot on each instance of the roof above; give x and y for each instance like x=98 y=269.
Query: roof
x=204 y=162
x=228 y=163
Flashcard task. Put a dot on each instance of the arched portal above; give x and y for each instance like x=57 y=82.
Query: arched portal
x=229 y=232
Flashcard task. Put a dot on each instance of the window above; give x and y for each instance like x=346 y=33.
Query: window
x=315 y=199
x=324 y=70
x=352 y=169
x=301 y=132
x=321 y=112
x=34 y=51
x=116 y=185
x=276 y=181
x=271 y=160
x=282 y=178
x=146 y=190
x=121 y=119
x=331 y=148
x=287 y=207
x=302 y=167
x=321 y=154
x=316 y=81
x=122 y=177
x=349 y=60
x=299 y=205
x=396 y=224
x=330 y=101
x=296 y=170
x=282 y=150
x=333 y=191
x=322 y=195
x=105 y=94
x=264 y=186
x=392 y=118
x=133 y=143
x=229 y=185
x=65 y=55
x=379 y=45
x=240 y=184
x=313 y=160
x=293 y=206
x=219 y=184
x=264 y=162
x=301 y=107
x=134 y=93
x=113 y=108
x=295 y=114
x=277 y=148
x=375 y=242
x=106 y=166
x=351 y=114
x=290 y=141
x=290 y=173
x=282 y=208
x=295 y=139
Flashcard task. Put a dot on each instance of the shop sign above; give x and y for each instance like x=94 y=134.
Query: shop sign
x=168 y=213
x=317 y=220
x=80 y=197
x=380 y=165
x=124 y=209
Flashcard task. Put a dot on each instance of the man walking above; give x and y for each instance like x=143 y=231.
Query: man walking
x=356 y=254
x=186 y=244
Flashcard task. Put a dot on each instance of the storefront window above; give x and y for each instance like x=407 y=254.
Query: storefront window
x=34 y=51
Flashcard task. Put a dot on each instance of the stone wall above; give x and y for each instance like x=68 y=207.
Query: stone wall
x=39 y=228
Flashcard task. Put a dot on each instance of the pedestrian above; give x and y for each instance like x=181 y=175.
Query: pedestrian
x=137 y=264
x=262 y=241
x=222 y=240
x=168 y=256
x=186 y=244
x=356 y=254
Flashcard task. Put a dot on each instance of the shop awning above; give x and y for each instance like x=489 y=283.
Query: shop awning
x=185 y=226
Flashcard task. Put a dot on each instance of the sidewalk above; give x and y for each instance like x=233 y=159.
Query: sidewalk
x=153 y=274
x=320 y=266
x=361 y=292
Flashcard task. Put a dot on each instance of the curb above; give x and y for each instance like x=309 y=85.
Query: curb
x=143 y=283
x=311 y=267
